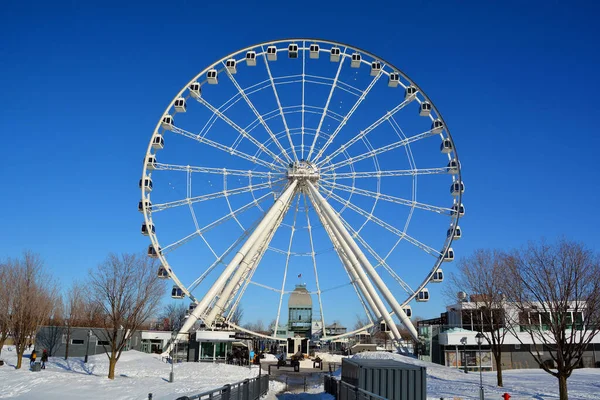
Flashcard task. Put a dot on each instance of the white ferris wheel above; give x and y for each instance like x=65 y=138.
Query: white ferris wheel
x=297 y=161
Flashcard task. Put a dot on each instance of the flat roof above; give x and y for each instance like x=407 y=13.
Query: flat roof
x=381 y=363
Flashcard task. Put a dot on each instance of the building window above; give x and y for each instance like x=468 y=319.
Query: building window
x=103 y=343
x=77 y=341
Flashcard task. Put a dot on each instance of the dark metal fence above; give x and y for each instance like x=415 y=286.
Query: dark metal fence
x=248 y=389
x=344 y=391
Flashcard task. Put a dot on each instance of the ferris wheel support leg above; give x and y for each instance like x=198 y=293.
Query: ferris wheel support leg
x=278 y=207
x=347 y=264
x=337 y=223
x=248 y=262
x=379 y=305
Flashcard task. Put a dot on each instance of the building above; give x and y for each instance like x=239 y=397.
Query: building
x=300 y=312
x=450 y=339
x=335 y=329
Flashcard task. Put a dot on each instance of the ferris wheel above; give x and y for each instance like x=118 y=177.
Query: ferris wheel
x=301 y=162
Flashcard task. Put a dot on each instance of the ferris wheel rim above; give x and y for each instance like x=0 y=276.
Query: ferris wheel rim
x=455 y=176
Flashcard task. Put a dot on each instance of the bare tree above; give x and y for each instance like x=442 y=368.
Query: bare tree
x=34 y=299
x=173 y=316
x=127 y=291
x=360 y=321
x=238 y=313
x=483 y=276
x=6 y=299
x=556 y=292
x=74 y=311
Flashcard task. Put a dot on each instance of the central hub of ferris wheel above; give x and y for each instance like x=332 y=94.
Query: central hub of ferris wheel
x=303 y=171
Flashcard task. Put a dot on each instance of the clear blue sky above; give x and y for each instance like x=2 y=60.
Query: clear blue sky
x=83 y=84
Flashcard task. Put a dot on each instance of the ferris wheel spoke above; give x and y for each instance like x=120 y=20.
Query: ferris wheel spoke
x=380 y=150
x=348 y=115
x=201 y=231
x=211 y=170
x=326 y=108
x=367 y=130
x=382 y=173
x=386 y=197
x=369 y=216
x=285 y=125
x=258 y=116
x=211 y=196
x=241 y=131
x=227 y=149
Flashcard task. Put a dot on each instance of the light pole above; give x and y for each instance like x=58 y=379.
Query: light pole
x=479 y=338
x=172 y=374
x=87 y=347
x=464 y=356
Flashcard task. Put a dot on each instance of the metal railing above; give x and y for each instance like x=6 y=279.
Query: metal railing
x=345 y=391
x=248 y=389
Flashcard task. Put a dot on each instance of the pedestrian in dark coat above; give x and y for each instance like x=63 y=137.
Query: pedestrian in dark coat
x=44 y=358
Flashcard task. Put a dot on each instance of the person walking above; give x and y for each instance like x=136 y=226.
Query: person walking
x=44 y=358
x=32 y=358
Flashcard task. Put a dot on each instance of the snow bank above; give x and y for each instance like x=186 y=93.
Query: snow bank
x=334 y=358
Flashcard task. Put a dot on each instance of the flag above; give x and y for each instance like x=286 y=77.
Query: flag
x=299 y=275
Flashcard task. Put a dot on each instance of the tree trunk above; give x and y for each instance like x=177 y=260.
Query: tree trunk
x=562 y=387
x=111 y=366
x=19 y=360
x=499 y=371
x=2 y=340
x=67 y=344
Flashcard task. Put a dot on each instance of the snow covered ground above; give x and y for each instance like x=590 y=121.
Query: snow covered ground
x=138 y=374
x=521 y=384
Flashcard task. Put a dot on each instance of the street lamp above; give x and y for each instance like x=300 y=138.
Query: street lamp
x=87 y=347
x=172 y=374
x=479 y=338
x=464 y=343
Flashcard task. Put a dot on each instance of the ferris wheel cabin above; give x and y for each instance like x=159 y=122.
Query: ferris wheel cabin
x=162 y=273
x=355 y=63
x=457 y=233
x=446 y=146
x=460 y=209
x=167 y=122
x=437 y=126
x=211 y=77
x=408 y=311
x=180 y=105
x=151 y=162
x=438 y=276
x=457 y=188
x=425 y=109
x=177 y=292
x=314 y=51
x=146 y=229
x=251 y=58
x=144 y=203
x=409 y=92
x=449 y=255
x=158 y=143
x=147 y=183
x=152 y=251
x=453 y=166
x=423 y=295
x=375 y=68
x=195 y=90
x=231 y=66
x=272 y=53
x=394 y=79
x=293 y=50
x=335 y=54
